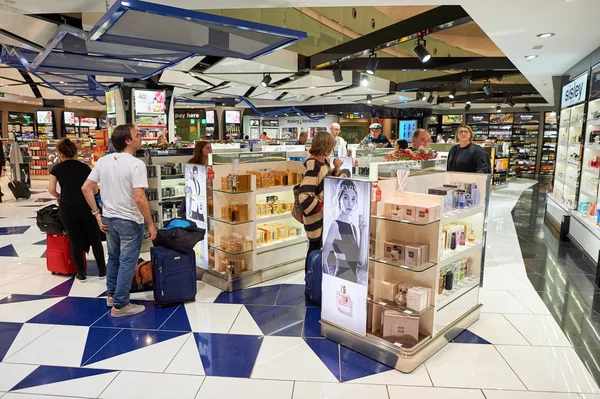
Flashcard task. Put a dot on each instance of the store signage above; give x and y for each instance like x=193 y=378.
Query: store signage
x=355 y=115
x=149 y=102
x=574 y=92
x=270 y=123
x=478 y=118
x=232 y=117
x=595 y=83
x=283 y=148
x=550 y=118
x=527 y=118
x=69 y=118
x=187 y=115
x=500 y=119
x=432 y=120
x=44 y=117
x=452 y=119
x=210 y=117
x=20 y=118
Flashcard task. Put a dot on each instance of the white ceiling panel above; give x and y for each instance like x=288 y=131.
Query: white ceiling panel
x=231 y=90
x=20 y=90
x=318 y=79
x=280 y=61
x=183 y=79
x=33 y=29
x=356 y=91
x=188 y=64
x=11 y=73
x=50 y=93
x=265 y=94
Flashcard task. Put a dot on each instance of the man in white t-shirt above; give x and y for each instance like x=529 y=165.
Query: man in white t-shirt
x=124 y=179
x=337 y=135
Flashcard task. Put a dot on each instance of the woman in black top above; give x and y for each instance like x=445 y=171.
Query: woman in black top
x=466 y=156
x=74 y=211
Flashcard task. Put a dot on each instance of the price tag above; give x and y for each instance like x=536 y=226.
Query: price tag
x=210 y=174
x=408 y=311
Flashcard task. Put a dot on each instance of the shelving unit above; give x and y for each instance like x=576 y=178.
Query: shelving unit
x=588 y=194
x=524 y=148
x=480 y=123
x=549 y=144
x=448 y=311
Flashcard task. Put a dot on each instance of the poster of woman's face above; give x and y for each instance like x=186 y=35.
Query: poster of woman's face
x=346 y=169
x=346 y=217
x=195 y=197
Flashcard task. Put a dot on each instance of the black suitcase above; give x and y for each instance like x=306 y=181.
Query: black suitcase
x=174 y=276
x=19 y=189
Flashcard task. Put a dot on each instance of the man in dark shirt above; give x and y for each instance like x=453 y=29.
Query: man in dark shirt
x=421 y=138
x=375 y=137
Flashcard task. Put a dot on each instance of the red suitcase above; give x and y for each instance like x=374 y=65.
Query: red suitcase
x=58 y=255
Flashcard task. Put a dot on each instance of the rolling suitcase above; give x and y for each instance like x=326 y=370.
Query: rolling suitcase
x=173 y=275
x=58 y=254
x=314 y=276
x=19 y=189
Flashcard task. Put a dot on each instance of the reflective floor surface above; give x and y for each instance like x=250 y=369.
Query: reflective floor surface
x=58 y=340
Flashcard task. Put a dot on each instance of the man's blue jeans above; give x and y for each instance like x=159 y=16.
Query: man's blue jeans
x=124 y=241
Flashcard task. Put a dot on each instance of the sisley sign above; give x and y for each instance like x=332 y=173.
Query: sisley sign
x=574 y=92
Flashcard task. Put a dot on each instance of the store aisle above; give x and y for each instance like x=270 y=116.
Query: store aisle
x=57 y=339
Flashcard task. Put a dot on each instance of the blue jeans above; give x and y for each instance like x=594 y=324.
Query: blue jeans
x=124 y=241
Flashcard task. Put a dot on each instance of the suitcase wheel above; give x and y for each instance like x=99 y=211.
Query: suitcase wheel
x=54 y=274
x=193 y=299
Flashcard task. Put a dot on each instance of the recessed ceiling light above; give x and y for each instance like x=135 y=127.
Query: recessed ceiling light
x=530 y=57
x=312 y=87
x=188 y=84
x=545 y=35
x=61 y=82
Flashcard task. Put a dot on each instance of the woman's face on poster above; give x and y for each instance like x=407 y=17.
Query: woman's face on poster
x=348 y=202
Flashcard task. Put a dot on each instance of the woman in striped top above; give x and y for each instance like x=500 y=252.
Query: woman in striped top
x=311 y=187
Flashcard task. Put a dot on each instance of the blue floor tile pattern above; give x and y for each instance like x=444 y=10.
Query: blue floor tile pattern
x=5 y=231
x=329 y=353
x=8 y=250
x=228 y=355
x=355 y=365
x=467 y=337
x=43 y=242
x=178 y=321
x=14 y=298
x=278 y=320
x=62 y=289
x=73 y=311
x=251 y=296
x=8 y=333
x=96 y=339
x=312 y=327
x=44 y=375
x=151 y=319
x=293 y=295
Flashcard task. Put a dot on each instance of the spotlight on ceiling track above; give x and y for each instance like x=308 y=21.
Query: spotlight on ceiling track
x=487 y=89
x=364 y=80
x=430 y=98
x=467 y=107
x=498 y=108
x=421 y=51
x=372 y=64
x=510 y=102
x=337 y=74
x=468 y=102
x=266 y=80
x=423 y=96
x=545 y=35
x=452 y=94
x=527 y=108
x=369 y=99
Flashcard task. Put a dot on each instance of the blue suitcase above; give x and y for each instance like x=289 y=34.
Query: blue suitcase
x=314 y=276
x=174 y=276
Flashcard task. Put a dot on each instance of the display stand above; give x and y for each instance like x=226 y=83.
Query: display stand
x=499 y=156
x=391 y=331
x=247 y=244
x=524 y=149
x=480 y=123
x=549 y=144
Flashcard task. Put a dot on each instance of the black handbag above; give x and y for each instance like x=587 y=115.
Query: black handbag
x=48 y=220
x=180 y=235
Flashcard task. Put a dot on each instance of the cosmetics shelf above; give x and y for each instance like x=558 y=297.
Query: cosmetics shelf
x=273 y=218
x=459 y=290
x=281 y=243
x=403 y=349
x=417 y=269
x=401 y=221
x=229 y=222
x=462 y=214
x=227 y=251
x=215 y=190
x=273 y=190
x=592 y=171
x=449 y=257
x=399 y=308
x=589 y=194
x=172 y=177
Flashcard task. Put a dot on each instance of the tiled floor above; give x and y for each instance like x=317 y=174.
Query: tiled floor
x=57 y=339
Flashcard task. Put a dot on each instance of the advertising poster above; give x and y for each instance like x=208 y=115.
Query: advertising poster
x=149 y=102
x=111 y=107
x=595 y=83
x=474 y=119
x=346 y=169
x=195 y=206
x=210 y=117
x=452 y=119
x=232 y=116
x=346 y=253
x=69 y=118
x=44 y=117
x=499 y=119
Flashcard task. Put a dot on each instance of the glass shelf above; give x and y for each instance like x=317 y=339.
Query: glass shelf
x=399 y=264
x=456 y=292
x=216 y=190
x=399 y=308
x=401 y=221
x=229 y=222
x=171 y=177
x=230 y=252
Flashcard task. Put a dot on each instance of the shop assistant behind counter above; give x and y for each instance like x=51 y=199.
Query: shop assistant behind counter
x=466 y=156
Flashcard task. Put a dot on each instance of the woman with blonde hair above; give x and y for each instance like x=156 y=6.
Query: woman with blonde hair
x=466 y=156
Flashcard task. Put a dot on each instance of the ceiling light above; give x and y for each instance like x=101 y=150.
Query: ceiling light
x=312 y=87
x=421 y=51
x=337 y=74
x=487 y=89
x=364 y=80
x=467 y=107
x=530 y=57
x=527 y=108
x=423 y=97
x=266 y=80
x=452 y=105
x=498 y=108
x=188 y=84
x=61 y=82
x=468 y=101
x=372 y=65
x=430 y=98
x=545 y=35
x=369 y=99
x=510 y=102
x=553 y=114
x=452 y=93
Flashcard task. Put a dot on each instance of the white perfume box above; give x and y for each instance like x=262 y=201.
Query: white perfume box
x=394 y=245
x=389 y=289
x=404 y=328
x=409 y=214
x=393 y=210
x=416 y=254
x=417 y=298
x=427 y=214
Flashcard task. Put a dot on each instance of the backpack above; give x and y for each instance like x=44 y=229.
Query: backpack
x=314 y=276
x=142 y=278
x=180 y=235
x=297 y=212
x=48 y=220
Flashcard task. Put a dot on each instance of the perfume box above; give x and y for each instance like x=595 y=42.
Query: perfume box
x=409 y=213
x=389 y=289
x=427 y=214
x=400 y=326
x=415 y=255
x=394 y=245
x=393 y=210
x=243 y=182
x=372 y=247
x=417 y=298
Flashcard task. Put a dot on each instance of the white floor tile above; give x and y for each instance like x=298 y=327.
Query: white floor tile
x=92 y=288
x=532 y=301
x=87 y=387
x=8 y=262
x=153 y=358
x=471 y=366
x=528 y=395
x=294 y=278
x=211 y=317
x=13 y=395
x=35 y=284
x=8 y=277
x=187 y=360
x=496 y=329
x=206 y=293
x=584 y=396
x=501 y=302
x=28 y=333
x=434 y=393
x=21 y=312
x=236 y=388
x=12 y=374
x=61 y=346
x=419 y=377
x=245 y=324
x=549 y=369
x=314 y=390
x=505 y=281
x=289 y=358
x=130 y=385
x=539 y=330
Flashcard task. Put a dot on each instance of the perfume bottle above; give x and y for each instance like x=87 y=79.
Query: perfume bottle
x=462 y=238
x=441 y=284
x=449 y=280
x=453 y=241
x=400 y=298
x=471 y=236
x=344 y=302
